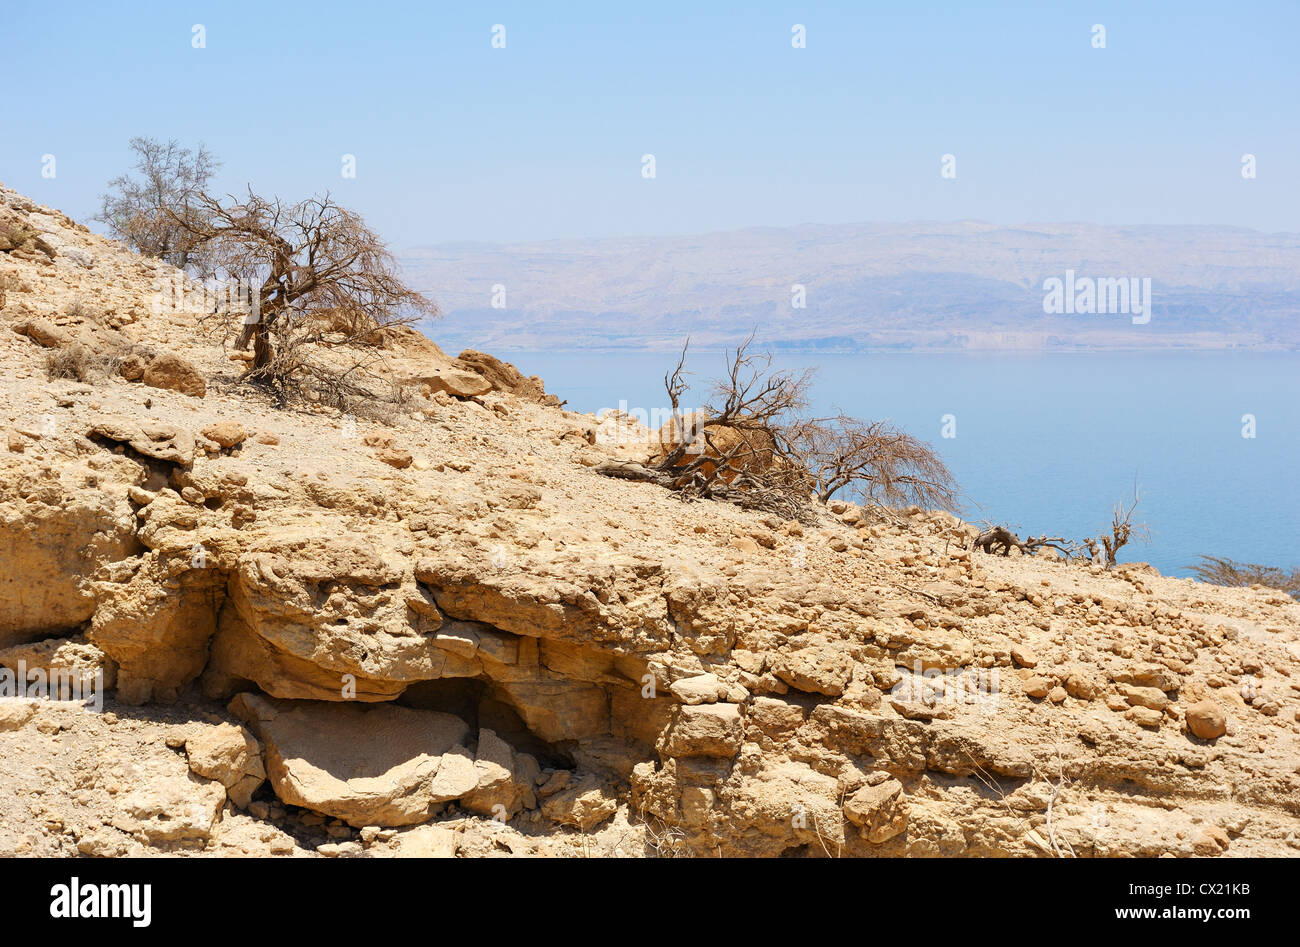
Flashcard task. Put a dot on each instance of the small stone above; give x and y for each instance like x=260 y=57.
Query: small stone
x=140 y=496
x=227 y=434
x=394 y=457
x=1152 y=697
x=879 y=810
x=1212 y=841
x=1146 y=717
x=1080 y=686
x=340 y=850
x=1024 y=655
x=1037 y=687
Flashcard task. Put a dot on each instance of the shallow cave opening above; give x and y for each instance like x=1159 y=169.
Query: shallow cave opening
x=472 y=699
x=157 y=473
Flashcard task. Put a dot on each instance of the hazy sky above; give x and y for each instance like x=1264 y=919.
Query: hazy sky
x=455 y=140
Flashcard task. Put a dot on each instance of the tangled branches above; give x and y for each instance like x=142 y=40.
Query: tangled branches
x=326 y=283
x=1101 y=549
x=752 y=445
x=1230 y=572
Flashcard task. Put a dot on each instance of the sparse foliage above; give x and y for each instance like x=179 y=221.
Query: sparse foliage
x=76 y=362
x=20 y=239
x=1105 y=549
x=142 y=210
x=1232 y=573
x=872 y=461
x=998 y=540
x=328 y=286
x=732 y=445
x=752 y=445
x=81 y=310
x=1102 y=549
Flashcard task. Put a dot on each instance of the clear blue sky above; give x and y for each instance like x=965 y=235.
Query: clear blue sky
x=455 y=140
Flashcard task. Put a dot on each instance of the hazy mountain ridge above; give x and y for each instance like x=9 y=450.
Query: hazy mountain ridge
x=931 y=286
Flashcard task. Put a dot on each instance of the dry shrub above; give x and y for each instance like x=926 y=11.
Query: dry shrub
x=14 y=234
x=1232 y=573
x=754 y=446
x=80 y=309
x=872 y=461
x=326 y=284
x=78 y=363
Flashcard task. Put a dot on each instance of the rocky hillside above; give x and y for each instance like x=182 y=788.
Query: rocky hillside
x=428 y=626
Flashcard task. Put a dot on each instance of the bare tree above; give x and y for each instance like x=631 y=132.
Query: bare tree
x=733 y=440
x=753 y=446
x=1105 y=548
x=1232 y=573
x=142 y=210
x=324 y=279
x=999 y=540
x=1102 y=549
x=872 y=460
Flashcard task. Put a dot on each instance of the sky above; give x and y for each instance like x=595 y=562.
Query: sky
x=455 y=140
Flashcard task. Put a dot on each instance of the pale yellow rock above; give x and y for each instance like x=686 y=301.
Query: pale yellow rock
x=382 y=765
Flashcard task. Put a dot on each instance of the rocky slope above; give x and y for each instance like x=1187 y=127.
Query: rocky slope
x=429 y=627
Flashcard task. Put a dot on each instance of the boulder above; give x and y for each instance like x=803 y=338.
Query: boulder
x=505 y=377
x=459 y=382
x=1024 y=655
x=583 y=805
x=714 y=730
x=14 y=714
x=815 y=670
x=230 y=755
x=1206 y=720
x=879 y=811
x=394 y=457
x=168 y=370
x=43 y=333
x=700 y=689
x=226 y=433
x=505 y=779
x=160 y=441
x=378 y=765
x=133 y=366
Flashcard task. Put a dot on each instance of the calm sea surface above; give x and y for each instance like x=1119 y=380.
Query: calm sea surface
x=1049 y=443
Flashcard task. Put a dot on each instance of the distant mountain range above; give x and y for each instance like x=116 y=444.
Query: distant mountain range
x=922 y=286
